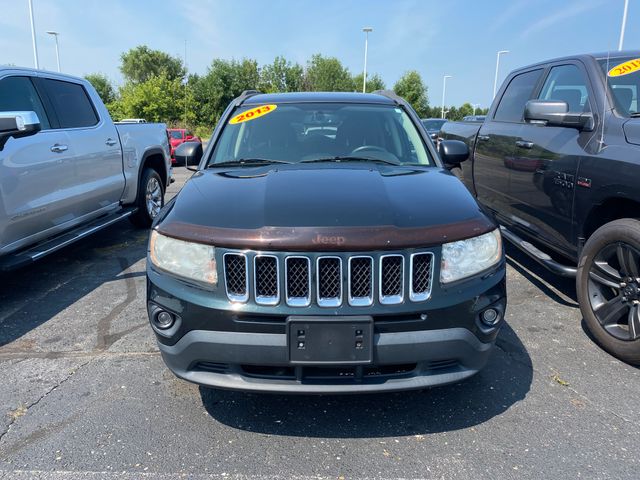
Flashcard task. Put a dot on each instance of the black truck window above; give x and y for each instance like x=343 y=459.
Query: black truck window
x=518 y=92
x=71 y=103
x=17 y=94
x=567 y=83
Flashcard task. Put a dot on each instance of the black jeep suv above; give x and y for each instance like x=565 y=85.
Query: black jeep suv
x=322 y=247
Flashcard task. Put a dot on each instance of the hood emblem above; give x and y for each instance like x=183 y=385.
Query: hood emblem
x=328 y=240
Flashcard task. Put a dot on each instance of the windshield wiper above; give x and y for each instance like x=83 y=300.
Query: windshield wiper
x=349 y=159
x=245 y=161
x=634 y=114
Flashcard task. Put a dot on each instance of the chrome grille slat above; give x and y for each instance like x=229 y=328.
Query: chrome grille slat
x=297 y=280
x=266 y=279
x=236 y=277
x=391 y=279
x=369 y=279
x=360 y=282
x=329 y=281
x=420 y=273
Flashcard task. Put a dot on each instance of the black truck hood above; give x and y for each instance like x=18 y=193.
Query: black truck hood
x=357 y=206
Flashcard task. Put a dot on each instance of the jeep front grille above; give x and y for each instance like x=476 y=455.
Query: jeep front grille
x=358 y=280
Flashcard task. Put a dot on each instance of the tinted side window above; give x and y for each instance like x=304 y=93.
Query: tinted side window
x=72 y=104
x=567 y=83
x=17 y=94
x=518 y=92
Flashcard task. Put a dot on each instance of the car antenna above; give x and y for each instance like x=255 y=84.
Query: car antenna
x=604 y=101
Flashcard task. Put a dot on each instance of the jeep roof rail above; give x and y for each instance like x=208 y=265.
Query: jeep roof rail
x=246 y=94
x=392 y=95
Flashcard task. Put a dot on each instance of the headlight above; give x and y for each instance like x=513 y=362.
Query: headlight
x=467 y=257
x=193 y=261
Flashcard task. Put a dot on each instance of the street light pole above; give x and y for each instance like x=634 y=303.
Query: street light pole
x=624 y=24
x=55 y=34
x=475 y=105
x=33 y=35
x=495 y=80
x=366 y=31
x=444 y=89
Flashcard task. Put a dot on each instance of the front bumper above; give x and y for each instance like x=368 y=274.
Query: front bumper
x=403 y=361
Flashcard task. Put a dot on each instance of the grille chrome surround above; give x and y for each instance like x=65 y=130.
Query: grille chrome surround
x=419 y=275
x=360 y=300
x=233 y=285
x=384 y=280
x=264 y=280
x=333 y=300
x=316 y=279
x=290 y=288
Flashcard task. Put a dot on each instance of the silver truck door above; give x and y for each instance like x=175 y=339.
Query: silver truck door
x=33 y=170
x=96 y=177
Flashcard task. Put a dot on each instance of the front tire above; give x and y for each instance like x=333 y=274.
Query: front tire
x=150 y=199
x=608 y=288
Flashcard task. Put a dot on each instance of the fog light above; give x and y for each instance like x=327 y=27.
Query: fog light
x=490 y=316
x=164 y=319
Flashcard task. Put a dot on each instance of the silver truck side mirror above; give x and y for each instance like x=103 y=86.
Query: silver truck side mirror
x=18 y=124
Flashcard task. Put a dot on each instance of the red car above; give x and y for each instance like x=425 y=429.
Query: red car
x=177 y=136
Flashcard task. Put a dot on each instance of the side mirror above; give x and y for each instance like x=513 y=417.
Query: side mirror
x=556 y=113
x=189 y=153
x=453 y=152
x=18 y=124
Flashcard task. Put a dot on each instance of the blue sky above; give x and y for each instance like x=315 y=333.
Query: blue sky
x=455 y=37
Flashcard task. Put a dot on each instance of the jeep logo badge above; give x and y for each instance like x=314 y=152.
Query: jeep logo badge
x=328 y=240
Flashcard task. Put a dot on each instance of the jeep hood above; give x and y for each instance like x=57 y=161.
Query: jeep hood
x=338 y=206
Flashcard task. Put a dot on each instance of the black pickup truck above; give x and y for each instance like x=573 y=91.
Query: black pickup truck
x=557 y=161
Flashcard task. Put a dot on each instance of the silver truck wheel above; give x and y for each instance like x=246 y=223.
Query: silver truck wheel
x=150 y=199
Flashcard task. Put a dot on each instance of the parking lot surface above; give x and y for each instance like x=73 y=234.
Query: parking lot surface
x=84 y=393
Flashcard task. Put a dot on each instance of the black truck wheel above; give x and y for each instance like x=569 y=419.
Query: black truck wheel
x=150 y=199
x=608 y=287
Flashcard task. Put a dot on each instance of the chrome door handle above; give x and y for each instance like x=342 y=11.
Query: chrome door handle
x=57 y=148
x=483 y=137
x=111 y=142
x=524 y=144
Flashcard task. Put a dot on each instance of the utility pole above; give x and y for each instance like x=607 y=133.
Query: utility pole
x=33 y=36
x=366 y=31
x=624 y=24
x=495 y=80
x=186 y=79
x=55 y=34
x=444 y=89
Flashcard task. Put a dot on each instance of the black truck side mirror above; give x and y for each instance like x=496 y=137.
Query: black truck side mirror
x=18 y=124
x=556 y=113
x=453 y=152
x=189 y=153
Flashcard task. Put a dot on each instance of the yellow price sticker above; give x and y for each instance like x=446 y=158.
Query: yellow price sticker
x=625 y=68
x=252 y=114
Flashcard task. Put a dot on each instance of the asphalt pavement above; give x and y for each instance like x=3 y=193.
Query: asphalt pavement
x=84 y=393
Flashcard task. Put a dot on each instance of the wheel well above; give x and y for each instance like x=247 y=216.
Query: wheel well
x=156 y=161
x=609 y=210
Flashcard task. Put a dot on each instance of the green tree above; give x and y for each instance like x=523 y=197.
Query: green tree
x=103 y=86
x=374 y=82
x=281 y=76
x=465 y=110
x=224 y=80
x=159 y=99
x=413 y=90
x=327 y=74
x=141 y=63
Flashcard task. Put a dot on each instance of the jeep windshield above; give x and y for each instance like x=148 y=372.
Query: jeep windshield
x=623 y=78
x=319 y=132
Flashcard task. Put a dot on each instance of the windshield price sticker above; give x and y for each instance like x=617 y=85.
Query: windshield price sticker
x=625 y=68
x=252 y=114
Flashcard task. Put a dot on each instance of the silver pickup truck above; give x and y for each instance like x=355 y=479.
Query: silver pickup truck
x=66 y=170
